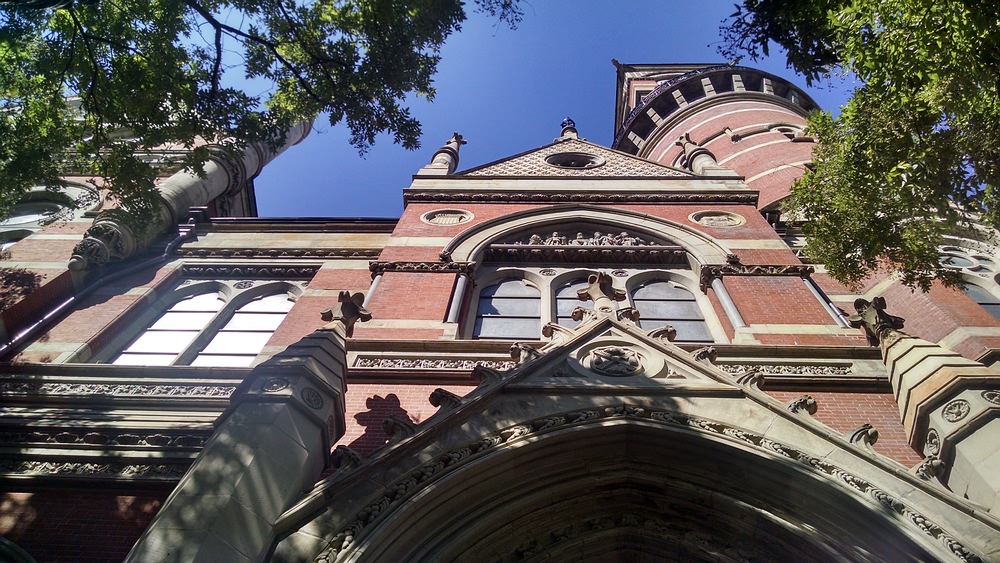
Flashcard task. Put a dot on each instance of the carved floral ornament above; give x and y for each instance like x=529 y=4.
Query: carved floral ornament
x=615 y=361
x=416 y=480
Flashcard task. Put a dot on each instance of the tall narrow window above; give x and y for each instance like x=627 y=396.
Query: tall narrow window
x=509 y=310
x=567 y=300
x=244 y=336
x=663 y=303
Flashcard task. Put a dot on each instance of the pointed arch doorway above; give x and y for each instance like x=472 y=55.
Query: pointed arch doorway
x=624 y=489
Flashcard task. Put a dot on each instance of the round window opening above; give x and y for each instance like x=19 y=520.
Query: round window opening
x=574 y=160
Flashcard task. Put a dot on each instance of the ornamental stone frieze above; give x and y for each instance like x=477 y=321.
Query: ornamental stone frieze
x=258 y=271
x=277 y=253
x=379 y=268
x=709 y=273
x=592 y=247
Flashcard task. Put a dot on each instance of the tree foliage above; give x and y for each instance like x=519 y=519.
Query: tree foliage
x=915 y=153
x=95 y=86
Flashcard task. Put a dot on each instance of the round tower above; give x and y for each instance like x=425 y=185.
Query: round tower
x=750 y=121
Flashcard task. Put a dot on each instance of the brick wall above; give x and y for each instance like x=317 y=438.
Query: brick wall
x=844 y=412
x=68 y=526
x=776 y=300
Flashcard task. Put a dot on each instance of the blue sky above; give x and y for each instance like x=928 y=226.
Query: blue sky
x=507 y=91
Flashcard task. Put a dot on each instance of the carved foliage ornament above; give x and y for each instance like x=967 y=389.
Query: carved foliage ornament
x=417 y=479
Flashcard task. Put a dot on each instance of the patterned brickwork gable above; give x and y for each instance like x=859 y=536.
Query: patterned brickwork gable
x=607 y=163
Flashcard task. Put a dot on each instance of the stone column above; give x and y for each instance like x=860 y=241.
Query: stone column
x=949 y=405
x=269 y=448
x=112 y=239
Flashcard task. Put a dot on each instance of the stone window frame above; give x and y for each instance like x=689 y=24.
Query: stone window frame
x=226 y=289
x=548 y=283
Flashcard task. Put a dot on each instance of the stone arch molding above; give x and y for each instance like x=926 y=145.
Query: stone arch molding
x=528 y=490
x=470 y=245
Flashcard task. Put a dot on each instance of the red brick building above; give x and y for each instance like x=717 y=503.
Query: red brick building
x=573 y=353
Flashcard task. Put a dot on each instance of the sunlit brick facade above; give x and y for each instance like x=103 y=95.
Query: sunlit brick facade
x=491 y=376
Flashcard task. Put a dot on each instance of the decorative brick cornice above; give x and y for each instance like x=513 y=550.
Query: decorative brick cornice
x=279 y=253
x=379 y=268
x=708 y=273
x=258 y=271
x=580 y=197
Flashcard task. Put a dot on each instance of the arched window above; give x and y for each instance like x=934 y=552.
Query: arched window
x=509 y=310
x=663 y=303
x=567 y=300
x=244 y=336
x=189 y=332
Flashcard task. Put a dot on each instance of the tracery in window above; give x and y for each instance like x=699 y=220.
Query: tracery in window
x=244 y=336
x=508 y=310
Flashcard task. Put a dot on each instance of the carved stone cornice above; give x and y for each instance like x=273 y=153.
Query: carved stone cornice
x=115 y=389
x=463 y=364
x=103 y=437
x=581 y=197
x=708 y=273
x=258 y=271
x=379 y=268
x=117 y=471
x=279 y=253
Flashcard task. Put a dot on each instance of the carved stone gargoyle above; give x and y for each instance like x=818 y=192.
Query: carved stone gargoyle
x=872 y=317
x=350 y=311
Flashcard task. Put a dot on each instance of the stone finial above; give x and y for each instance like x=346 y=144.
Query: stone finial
x=601 y=291
x=568 y=129
x=445 y=159
x=872 y=317
x=350 y=311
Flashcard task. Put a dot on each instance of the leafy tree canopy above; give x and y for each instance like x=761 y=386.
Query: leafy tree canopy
x=93 y=86
x=915 y=153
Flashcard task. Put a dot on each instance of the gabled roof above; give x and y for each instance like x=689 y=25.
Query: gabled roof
x=611 y=163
